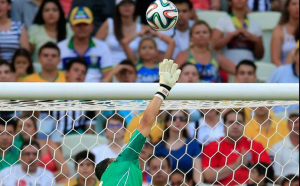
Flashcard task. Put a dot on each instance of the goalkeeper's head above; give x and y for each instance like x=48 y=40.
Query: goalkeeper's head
x=102 y=166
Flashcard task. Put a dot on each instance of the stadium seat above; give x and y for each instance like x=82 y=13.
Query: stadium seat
x=211 y=17
x=73 y=144
x=268 y=21
x=264 y=71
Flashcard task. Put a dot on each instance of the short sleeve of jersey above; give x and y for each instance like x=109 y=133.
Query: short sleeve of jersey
x=133 y=149
x=106 y=62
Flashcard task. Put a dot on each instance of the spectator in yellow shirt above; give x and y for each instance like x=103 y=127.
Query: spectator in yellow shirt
x=266 y=129
x=49 y=57
x=85 y=168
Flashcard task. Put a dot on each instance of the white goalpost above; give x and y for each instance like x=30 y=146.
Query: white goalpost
x=76 y=117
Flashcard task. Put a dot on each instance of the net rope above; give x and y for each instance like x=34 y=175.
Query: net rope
x=66 y=128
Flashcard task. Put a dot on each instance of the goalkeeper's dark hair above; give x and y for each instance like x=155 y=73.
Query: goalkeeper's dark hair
x=101 y=168
x=84 y=155
x=265 y=169
x=77 y=60
x=246 y=63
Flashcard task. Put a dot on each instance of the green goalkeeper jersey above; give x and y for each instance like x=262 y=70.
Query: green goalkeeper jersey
x=125 y=171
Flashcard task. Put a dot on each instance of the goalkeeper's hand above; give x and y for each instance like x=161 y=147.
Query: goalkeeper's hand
x=169 y=75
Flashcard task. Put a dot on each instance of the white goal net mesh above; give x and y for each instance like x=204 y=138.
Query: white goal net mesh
x=46 y=143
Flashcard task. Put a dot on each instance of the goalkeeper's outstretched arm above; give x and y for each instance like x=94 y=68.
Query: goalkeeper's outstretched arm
x=169 y=75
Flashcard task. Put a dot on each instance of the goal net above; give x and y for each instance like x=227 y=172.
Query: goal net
x=234 y=134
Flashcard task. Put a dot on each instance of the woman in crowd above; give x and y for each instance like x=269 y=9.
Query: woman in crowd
x=207 y=61
x=22 y=64
x=123 y=24
x=13 y=35
x=284 y=41
x=49 y=25
x=238 y=37
x=51 y=156
x=147 y=64
x=185 y=153
x=189 y=73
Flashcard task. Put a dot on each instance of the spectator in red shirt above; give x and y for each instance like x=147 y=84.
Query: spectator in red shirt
x=225 y=161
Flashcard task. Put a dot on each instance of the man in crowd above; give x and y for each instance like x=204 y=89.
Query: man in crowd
x=159 y=170
x=177 y=179
x=287 y=73
x=28 y=172
x=85 y=168
x=226 y=161
x=9 y=148
x=265 y=128
x=291 y=180
x=80 y=121
x=6 y=74
x=125 y=72
x=49 y=59
x=95 y=52
x=181 y=32
x=286 y=152
x=246 y=72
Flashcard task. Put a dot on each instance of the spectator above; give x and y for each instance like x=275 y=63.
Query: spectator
x=115 y=29
x=246 y=72
x=283 y=40
x=25 y=11
x=12 y=34
x=260 y=5
x=9 y=148
x=156 y=132
x=51 y=157
x=85 y=167
x=114 y=131
x=291 y=180
x=189 y=73
x=240 y=37
x=261 y=174
x=266 y=129
x=6 y=74
x=177 y=178
x=125 y=72
x=225 y=161
x=49 y=59
x=146 y=154
x=94 y=51
x=28 y=172
x=147 y=65
x=184 y=151
x=290 y=58
x=159 y=170
x=287 y=73
x=207 y=61
x=209 y=128
x=201 y=5
x=286 y=152
x=21 y=64
x=49 y=25
x=101 y=9
x=76 y=70
x=181 y=32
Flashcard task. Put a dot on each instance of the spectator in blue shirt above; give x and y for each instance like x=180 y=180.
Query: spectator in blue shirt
x=185 y=153
x=287 y=73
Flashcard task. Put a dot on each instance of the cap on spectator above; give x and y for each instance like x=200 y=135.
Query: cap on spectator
x=120 y=1
x=294 y=112
x=81 y=15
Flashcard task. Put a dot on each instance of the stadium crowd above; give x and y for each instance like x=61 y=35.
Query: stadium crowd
x=109 y=41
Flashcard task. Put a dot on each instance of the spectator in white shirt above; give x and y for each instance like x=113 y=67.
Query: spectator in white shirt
x=209 y=128
x=28 y=172
x=286 y=152
x=114 y=131
x=239 y=37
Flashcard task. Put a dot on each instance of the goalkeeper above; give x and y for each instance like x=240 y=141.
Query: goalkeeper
x=125 y=170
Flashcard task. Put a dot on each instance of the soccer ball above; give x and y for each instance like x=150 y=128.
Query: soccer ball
x=162 y=15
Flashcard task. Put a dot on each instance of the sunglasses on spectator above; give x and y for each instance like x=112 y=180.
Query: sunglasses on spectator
x=118 y=126
x=181 y=118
